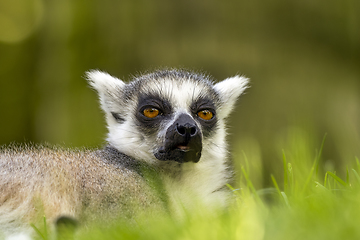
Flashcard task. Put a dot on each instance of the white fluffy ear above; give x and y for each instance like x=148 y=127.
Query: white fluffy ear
x=108 y=87
x=103 y=82
x=229 y=90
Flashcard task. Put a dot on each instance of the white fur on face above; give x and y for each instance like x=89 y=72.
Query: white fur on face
x=180 y=94
x=131 y=142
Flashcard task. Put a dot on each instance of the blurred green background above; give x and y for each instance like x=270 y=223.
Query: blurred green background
x=303 y=58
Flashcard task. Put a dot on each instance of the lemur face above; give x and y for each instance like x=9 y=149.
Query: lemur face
x=168 y=115
x=177 y=121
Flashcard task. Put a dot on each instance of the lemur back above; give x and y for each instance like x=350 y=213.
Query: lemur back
x=166 y=150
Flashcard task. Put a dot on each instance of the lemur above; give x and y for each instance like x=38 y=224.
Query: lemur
x=165 y=149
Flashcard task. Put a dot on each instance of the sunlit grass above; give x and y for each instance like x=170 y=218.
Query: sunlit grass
x=306 y=202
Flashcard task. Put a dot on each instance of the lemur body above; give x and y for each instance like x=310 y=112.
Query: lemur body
x=166 y=150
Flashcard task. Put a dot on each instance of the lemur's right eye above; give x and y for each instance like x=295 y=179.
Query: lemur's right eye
x=205 y=114
x=151 y=112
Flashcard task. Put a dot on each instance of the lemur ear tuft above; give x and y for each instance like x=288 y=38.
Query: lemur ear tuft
x=103 y=82
x=229 y=90
x=108 y=87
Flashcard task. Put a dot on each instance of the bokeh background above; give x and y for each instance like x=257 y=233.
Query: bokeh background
x=303 y=58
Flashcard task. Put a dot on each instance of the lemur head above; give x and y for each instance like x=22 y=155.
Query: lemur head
x=169 y=115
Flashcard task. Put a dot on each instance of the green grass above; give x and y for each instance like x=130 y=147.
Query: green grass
x=305 y=202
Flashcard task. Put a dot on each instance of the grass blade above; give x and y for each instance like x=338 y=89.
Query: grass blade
x=275 y=184
x=356 y=175
x=38 y=231
x=286 y=200
x=285 y=171
x=315 y=165
x=251 y=186
x=337 y=179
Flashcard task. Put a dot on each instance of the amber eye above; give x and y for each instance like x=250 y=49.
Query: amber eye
x=151 y=112
x=205 y=114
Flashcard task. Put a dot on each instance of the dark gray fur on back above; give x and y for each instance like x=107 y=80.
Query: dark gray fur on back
x=119 y=160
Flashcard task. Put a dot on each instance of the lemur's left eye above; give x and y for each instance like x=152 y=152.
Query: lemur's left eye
x=151 y=112
x=205 y=114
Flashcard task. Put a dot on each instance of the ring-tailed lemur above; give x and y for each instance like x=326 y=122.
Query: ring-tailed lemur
x=166 y=148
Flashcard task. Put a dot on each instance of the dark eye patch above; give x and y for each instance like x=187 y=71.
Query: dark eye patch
x=156 y=102
x=152 y=101
x=201 y=104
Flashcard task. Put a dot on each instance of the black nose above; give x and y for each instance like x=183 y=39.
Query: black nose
x=186 y=130
x=183 y=141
